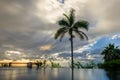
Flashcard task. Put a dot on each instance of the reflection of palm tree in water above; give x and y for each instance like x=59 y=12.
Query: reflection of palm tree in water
x=113 y=74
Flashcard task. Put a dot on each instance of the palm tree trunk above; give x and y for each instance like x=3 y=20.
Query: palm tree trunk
x=72 y=62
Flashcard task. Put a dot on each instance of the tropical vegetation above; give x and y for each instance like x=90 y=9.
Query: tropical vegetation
x=71 y=26
x=111 y=56
x=114 y=64
x=111 y=52
x=55 y=65
x=90 y=64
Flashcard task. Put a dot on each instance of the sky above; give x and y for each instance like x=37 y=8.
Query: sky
x=27 y=27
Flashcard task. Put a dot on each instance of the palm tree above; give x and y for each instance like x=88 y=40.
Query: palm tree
x=68 y=25
x=111 y=52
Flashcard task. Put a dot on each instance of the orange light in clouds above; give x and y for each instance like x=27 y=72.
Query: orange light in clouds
x=46 y=47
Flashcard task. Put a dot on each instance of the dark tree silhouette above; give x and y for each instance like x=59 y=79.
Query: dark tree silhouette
x=111 y=52
x=72 y=27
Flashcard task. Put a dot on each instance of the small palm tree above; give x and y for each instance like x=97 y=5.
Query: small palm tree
x=68 y=25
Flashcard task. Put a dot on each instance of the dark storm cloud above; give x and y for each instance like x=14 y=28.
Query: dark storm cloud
x=18 y=23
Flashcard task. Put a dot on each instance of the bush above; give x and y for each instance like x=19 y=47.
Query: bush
x=115 y=64
x=55 y=65
x=89 y=65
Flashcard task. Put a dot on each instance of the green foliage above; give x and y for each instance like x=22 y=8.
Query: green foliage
x=69 y=26
x=91 y=64
x=111 y=55
x=63 y=22
x=76 y=65
x=111 y=52
x=55 y=65
x=81 y=24
x=114 y=64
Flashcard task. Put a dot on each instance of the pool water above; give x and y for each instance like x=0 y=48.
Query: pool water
x=57 y=74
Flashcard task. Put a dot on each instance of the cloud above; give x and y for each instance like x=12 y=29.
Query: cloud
x=46 y=47
x=91 y=51
x=107 y=15
x=30 y=25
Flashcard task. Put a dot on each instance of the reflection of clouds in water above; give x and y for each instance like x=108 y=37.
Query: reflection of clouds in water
x=57 y=74
x=14 y=76
x=10 y=74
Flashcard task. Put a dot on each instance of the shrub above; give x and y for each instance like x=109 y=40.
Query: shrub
x=115 y=64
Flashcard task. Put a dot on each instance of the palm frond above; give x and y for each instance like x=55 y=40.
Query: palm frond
x=62 y=35
x=63 y=22
x=81 y=34
x=81 y=24
x=84 y=35
x=59 y=32
x=66 y=16
x=69 y=26
x=72 y=17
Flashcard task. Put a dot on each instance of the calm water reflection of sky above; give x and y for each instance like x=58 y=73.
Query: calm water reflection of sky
x=57 y=74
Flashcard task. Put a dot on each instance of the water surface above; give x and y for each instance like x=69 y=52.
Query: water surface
x=57 y=74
